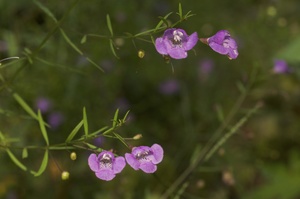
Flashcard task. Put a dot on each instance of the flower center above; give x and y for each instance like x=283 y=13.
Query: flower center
x=143 y=156
x=105 y=161
x=177 y=37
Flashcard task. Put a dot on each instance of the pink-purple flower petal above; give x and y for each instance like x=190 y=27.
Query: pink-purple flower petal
x=175 y=43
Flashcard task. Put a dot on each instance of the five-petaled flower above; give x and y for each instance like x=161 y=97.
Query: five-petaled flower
x=145 y=158
x=222 y=43
x=176 y=43
x=106 y=165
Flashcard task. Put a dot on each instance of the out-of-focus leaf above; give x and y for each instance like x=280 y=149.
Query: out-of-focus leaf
x=25 y=106
x=43 y=165
x=83 y=40
x=109 y=25
x=111 y=44
x=68 y=40
x=15 y=160
x=291 y=52
x=92 y=62
x=74 y=131
x=46 y=10
x=43 y=128
x=24 y=153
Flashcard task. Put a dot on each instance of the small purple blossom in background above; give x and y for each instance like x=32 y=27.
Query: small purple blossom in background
x=105 y=165
x=55 y=119
x=169 y=87
x=222 y=43
x=43 y=104
x=205 y=68
x=145 y=158
x=176 y=43
x=280 y=66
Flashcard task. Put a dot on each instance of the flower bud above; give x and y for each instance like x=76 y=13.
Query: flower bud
x=65 y=175
x=137 y=136
x=141 y=53
x=73 y=156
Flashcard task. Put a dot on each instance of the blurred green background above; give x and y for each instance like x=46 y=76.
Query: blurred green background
x=179 y=110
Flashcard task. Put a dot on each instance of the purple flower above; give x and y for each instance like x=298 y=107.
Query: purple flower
x=222 y=43
x=169 y=87
x=105 y=165
x=145 y=158
x=175 y=43
x=280 y=66
x=43 y=104
x=55 y=119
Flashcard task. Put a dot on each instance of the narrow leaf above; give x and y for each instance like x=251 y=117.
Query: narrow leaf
x=220 y=113
x=46 y=10
x=125 y=117
x=109 y=25
x=24 y=153
x=74 y=131
x=163 y=20
x=120 y=138
x=2 y=138
x=25 y=106
x=15 y=160
x=115 y=120
x=68 y=40
x=91 y=146
x=93 y=63
x=83 y=40
x=180 y=10
x=111 y=44
x=43 y=165
x=43 y=128
x=85 y=123
x=98 y=131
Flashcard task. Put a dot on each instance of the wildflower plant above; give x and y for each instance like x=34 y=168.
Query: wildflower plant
x=128 y=150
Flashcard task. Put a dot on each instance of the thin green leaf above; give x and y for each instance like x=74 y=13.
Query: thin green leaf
x=43 y=165
x=83 y=40
x=43 y=128
x=111 y=44
x=24 y=153
x=98 y=131
x=115 y=120
x=2 y=138
x=74 y=131
x=93 y=63
x=147 y=32
x=15 y=160
x=25 y=106
x=120 y=138
x=180 y=11
x=85 y=123
x=163 y=20
x=220 y=113
x=109 y=25
x=68 y=40
x=125 y=117
x=46 y=10
x=91 y=146
x=61 y=148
